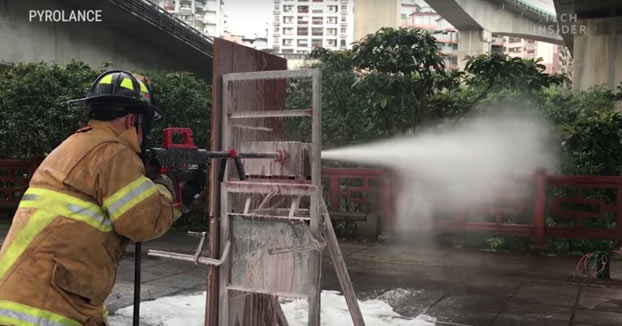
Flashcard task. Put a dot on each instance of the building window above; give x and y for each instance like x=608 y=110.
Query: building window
x=303 y=31
x=288 y=19
x=277 y=7
x=287 y=51
x=344 y=19
x=288 y=31
x=331 y=20
x=344 y=30
x=343 y=43
x=317 y=11
x=303 y=43
x=331 y=31
x=332 y=9
x=331 y=43
x=317 y=31
x=317 y=20
x=288 y=42
x=276 y=29
x=318 y=0
x=303 y=20
x=288 y=8
x=303 y=9
x=316 y=43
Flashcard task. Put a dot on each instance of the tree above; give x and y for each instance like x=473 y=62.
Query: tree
x=33 y=116
x=33 y=109
x=382 y=86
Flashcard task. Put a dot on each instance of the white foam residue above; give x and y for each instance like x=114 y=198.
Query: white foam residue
x=188 y=310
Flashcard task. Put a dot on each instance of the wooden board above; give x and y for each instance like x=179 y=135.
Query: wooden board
x=228 y=58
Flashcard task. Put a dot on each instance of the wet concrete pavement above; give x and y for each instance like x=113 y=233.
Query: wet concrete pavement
x=453 y=286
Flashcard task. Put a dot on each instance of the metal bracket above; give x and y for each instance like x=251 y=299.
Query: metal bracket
x=196 y=258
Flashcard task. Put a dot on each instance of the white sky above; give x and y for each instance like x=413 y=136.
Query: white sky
x=249 y=17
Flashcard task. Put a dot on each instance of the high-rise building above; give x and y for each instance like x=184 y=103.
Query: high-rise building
x=556 y=58
x=301 y=25
x=204 y=15
x=413 y=15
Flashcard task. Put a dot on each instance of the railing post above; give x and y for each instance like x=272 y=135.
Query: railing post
x=539 y=203
x=333 y=195
x=386 y=213
x=619 y=214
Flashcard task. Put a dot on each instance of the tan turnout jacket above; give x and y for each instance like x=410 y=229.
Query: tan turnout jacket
x=85 y=202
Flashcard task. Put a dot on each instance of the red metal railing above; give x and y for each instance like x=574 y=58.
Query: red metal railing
x=541 y=206
x=356 y=192
x=14 y=177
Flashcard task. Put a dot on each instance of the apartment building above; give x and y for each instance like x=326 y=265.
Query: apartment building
x=301 y=25
x=204 y=15
x=556 y=58
x=413 y=15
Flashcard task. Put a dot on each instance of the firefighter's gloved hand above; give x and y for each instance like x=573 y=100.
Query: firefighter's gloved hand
x=192 y=188
x=169 y=181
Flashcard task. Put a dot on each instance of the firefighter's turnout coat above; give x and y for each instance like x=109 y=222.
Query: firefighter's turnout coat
x=85 y=202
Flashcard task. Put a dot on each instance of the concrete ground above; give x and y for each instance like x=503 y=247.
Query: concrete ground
x=455 y=287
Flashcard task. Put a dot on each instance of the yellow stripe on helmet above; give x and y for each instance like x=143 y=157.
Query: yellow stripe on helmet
x=127 y=83
x=106 y=79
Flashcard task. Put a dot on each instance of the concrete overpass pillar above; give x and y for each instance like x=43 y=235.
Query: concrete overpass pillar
x=472 y=42
x=598 y=53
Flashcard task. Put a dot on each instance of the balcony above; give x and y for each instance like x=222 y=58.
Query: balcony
x=185 y=10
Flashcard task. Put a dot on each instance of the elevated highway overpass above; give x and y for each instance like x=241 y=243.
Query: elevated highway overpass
x=597 y=52
x=478 y=20
x=592 y=30
x=132 y=34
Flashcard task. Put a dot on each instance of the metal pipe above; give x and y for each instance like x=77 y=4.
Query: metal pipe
x=191 y=258
x=137 y=261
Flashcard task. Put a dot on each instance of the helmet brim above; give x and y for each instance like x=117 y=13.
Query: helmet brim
x=118 y=100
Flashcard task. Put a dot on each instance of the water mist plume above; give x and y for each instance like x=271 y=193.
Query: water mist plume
x=465 y=164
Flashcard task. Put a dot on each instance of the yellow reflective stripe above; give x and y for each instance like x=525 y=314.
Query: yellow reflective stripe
x=38 y=221
x=143 y=88
x=127 y=83
x=106 y=80
x=129 y=196
x=13 y=313
x=68 y=206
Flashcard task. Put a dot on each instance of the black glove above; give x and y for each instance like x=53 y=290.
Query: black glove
x=193 y=186
x=169 y=180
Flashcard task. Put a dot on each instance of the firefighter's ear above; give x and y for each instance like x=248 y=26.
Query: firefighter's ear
x=129 y=121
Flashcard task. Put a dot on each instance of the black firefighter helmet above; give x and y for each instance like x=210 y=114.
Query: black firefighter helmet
x=116 y=93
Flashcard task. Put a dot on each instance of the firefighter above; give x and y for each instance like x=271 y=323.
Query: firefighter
x=85 y=202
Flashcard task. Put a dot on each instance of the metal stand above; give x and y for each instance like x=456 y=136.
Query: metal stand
x=273 y=223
